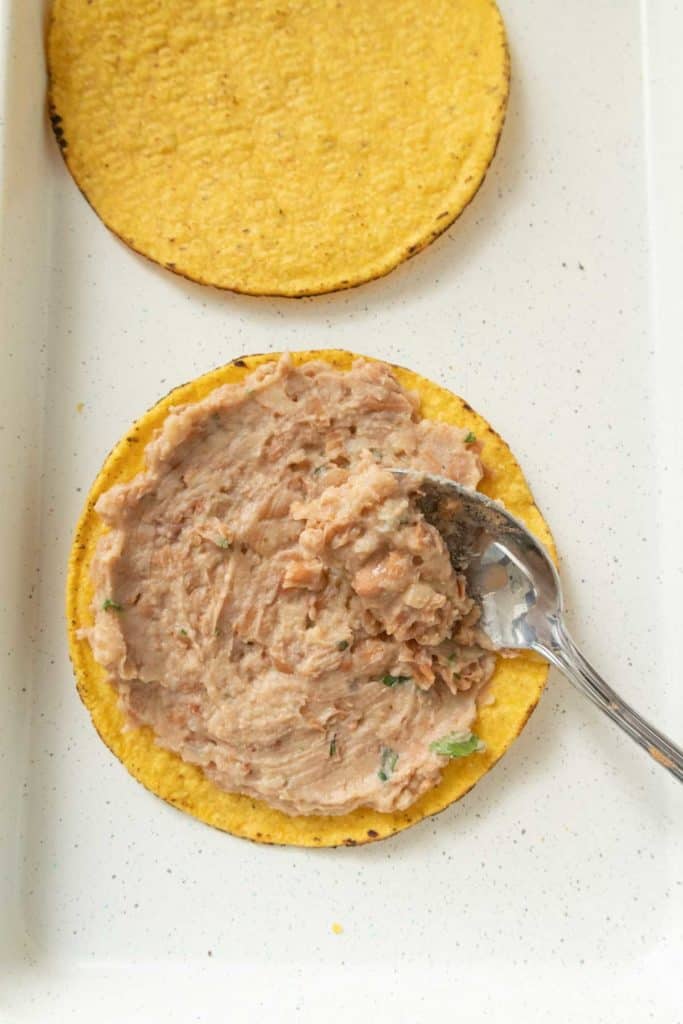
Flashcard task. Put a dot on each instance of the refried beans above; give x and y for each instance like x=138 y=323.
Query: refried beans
x=271 y=602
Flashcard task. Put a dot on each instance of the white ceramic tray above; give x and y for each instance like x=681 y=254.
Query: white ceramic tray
x=554 y=305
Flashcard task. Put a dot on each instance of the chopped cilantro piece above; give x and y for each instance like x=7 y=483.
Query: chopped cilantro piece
x=390 y=680
x=112 y=606
x=342 y=645
x=458 y=744
x=223 y=542
x=388 y=761
x=183 y=632
x=471 y=438
x=333 y=745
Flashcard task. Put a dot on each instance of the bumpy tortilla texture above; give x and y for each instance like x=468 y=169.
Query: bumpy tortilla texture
x=277 y=147
x=516 y=685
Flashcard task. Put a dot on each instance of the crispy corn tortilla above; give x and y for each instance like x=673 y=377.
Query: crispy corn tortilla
x=274 y=147
x=516 y=684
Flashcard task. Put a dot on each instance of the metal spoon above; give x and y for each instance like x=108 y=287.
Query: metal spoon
x=516 y=584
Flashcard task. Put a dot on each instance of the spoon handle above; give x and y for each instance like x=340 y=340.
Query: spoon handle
x=565 y=655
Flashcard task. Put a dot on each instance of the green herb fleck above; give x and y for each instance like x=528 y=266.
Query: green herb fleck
x=458 y=744
x=183 y=632
x=319 y=469
x=333 y=745
x=342 y=645
x=387 y=763
x=223 y=542
x=390 y=680
x=471 y=438
x=112 y=606
x=456 y=675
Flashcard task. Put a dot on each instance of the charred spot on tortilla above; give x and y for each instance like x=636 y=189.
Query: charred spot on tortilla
x=217 y=742
x=386 y=155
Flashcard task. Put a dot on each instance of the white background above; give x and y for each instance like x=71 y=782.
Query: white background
x=553 y=891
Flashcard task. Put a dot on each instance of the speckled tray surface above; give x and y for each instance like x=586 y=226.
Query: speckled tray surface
x=551 y=892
